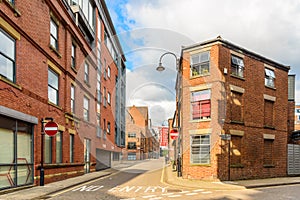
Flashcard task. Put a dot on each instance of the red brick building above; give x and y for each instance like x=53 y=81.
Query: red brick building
x=233 y=113
x=141 y=143
x=59 y=59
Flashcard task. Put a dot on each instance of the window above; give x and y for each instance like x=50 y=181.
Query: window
x=268 y=113
x=108 y=127
x=74 y=2
x=104 y=129
x=73 y=56
x=12 y=1
x=7 y=56
x=269 y=78
x=236 y=111
x=86 y=108
x=200 y=104
x=72 y=143
x=235 y=154
x=59 y=147
x=86 y=73
x=72 y=98
x=108 y=98
x=131 y=145
x=131 y=135
x=53 y=34
x=200 y=64
x=268 y=152
x=48 y=149
x=98 y=86
x=131 y=156
x=200 y=149
x=104 y=95
x=53 y=86
x=98 y=126
x=108 y=72
x=104 y=70
x=237 y=66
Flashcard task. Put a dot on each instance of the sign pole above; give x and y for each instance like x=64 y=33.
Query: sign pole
x=42 y=173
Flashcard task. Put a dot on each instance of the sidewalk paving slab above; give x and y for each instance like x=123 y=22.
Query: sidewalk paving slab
x=170 y=177
x=41 y=192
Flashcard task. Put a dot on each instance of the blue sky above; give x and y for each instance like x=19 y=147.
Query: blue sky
x=147 y=28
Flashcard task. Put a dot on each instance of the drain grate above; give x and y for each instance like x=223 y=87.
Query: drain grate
x=174 y=190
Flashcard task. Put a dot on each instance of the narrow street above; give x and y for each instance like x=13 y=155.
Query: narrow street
x=144 y=181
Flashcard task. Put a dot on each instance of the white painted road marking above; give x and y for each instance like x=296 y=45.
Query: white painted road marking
x=191 y=194
x=91 y=188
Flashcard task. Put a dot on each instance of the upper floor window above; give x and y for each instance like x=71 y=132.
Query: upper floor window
x=131 y=145
x=108 y=72
x=53 y=80
x=108 y=127
x=86 y=73
x=12 y=1
x=53 y=34
x=86 y=108
x=200 y=103
x=269 y=78
x=72 y=98
x=108 y=98
x=200 y=64
x=131 y=135
x=237 y=66
x=73 y=56
x=7 y=56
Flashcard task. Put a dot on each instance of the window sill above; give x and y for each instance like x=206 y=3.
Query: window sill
x=56 y=106
x=10 y=83
x=237 y=122
x=74 y=69
x=269 y=127
x=12 y=7
x=269 y=87
x=55 y=51
x=87 y=84
x=237 y=166
x=200 y=75
x=269 y=166
x=238 y=77
x=200 y=165
x=200 y=120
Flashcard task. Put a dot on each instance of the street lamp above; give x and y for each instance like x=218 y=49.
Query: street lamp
x=160 y=67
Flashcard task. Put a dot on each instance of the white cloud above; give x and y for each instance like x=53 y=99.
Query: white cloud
x=270 y=28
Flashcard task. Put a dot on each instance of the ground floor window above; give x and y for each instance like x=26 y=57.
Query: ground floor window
x=116 y=156
x=200 y=149
x=16 y=153
x=131 y=156
x=268 y=152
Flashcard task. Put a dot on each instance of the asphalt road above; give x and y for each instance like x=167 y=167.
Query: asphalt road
x=143 y=182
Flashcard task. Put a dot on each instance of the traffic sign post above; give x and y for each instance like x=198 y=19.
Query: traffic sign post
x=50 y=129
x=174 y=134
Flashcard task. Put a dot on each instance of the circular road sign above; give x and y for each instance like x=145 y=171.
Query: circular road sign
x=51 y=128
x=173 y=134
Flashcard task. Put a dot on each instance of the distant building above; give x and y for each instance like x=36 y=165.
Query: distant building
x=59 y=59
x=233 y=113
x=141 y=142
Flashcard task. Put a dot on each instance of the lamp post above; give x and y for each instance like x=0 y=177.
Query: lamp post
x=162 y=68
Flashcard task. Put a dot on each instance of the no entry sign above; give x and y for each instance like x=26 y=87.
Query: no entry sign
x=173 y=134
x=51 y=128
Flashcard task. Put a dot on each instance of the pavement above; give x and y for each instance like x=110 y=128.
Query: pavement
x=169 y=177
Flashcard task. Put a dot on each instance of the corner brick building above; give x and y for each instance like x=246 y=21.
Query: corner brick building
x=233 y=113
x=59 y=59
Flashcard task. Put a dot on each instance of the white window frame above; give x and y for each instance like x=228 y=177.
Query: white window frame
x=52 y=87
x=86 y=105
x=269 y=78
x=201 y=147
x=9 y=56
x=200 y=64
x=72 y=98
x=237 y=66
x=53 y=34
x=86 y=72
